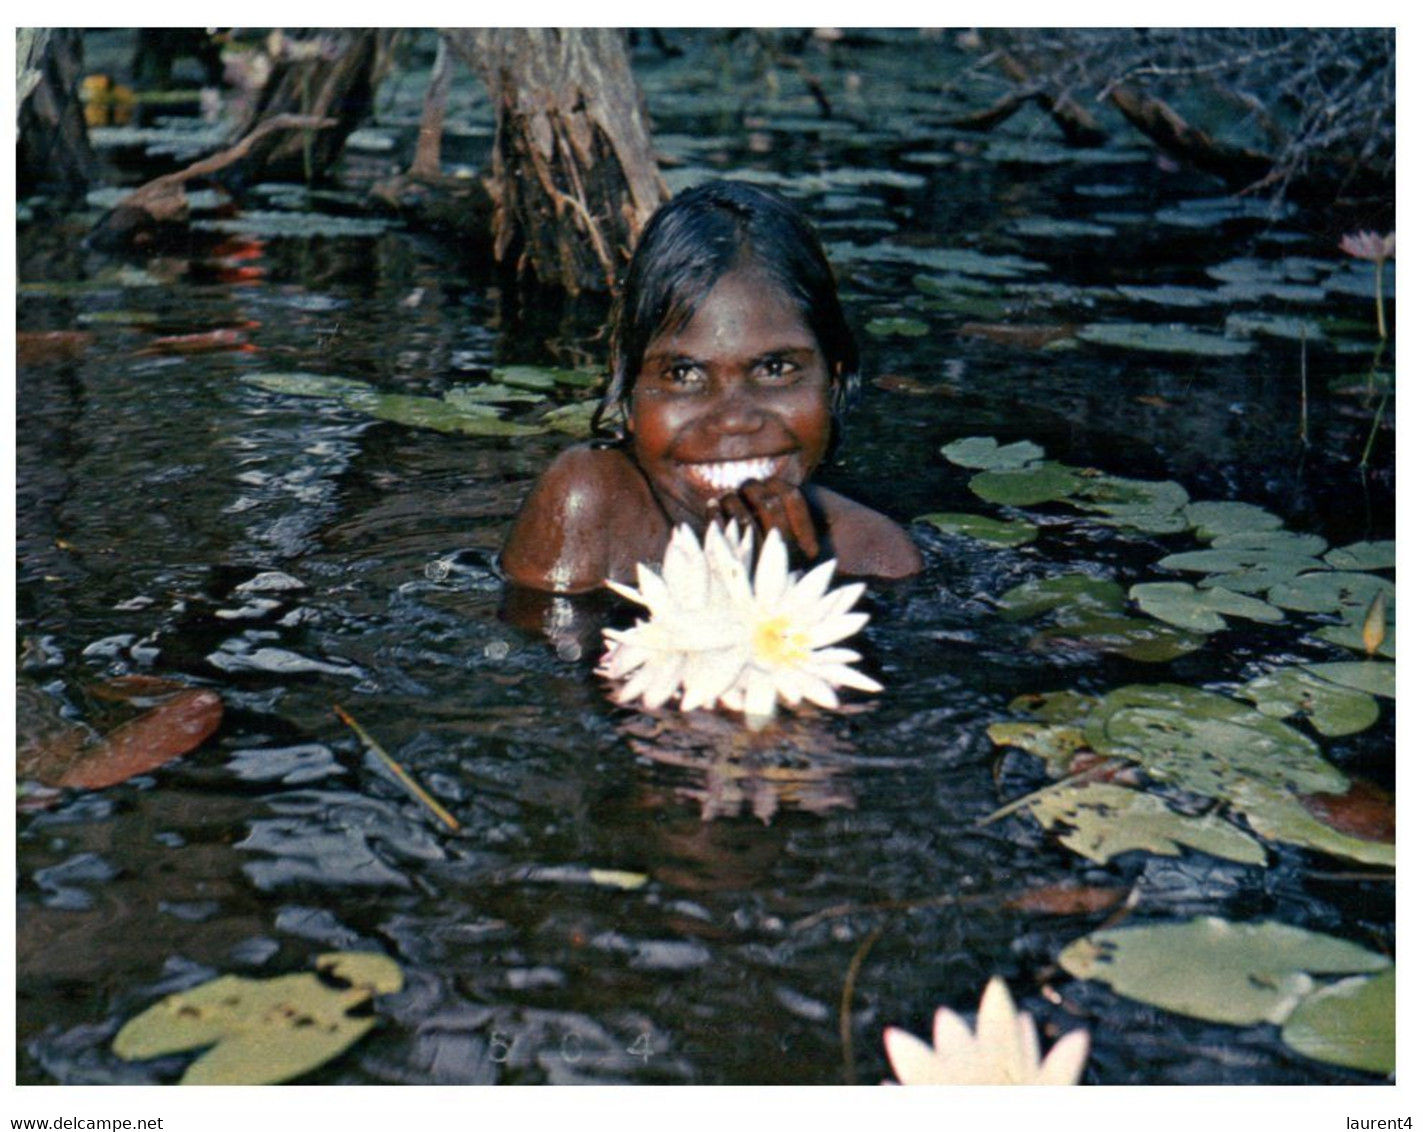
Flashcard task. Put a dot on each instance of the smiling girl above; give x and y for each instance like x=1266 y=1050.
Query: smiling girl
x=732 y=365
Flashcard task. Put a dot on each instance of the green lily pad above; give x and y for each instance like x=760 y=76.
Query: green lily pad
x=1276 y=541
x=492 y=393
x=1148 y=520
x=1363 y=556
x=1206 y=743
x=954 y=286
x=1350 y=635
x=1241 y=570
x=1080 y=591
x=1273 y=326
x=1219 y=971
x=544 y=377
x=1213 y=520
x=984 y=452
x=442 y=416
x=261 y=1031
x=1108 y=820
x=1162 y=339
x=1026 y=487
x=1051 y=228
x=1056 y=744
x=1350 y=1023
x=996 y=532
x=1150 y=642
x=1338 y=592
x=1373 y=676
x=308 y=384
x=897 y=327
x=1055 y=707
x=962 y=261
x=575 y=419
x=1276 y=815
x=1333 y=710
x=1170 y=296
x=1187 y=607
x=1107 y=493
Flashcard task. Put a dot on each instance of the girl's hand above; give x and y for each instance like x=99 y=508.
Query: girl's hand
x=766 y=505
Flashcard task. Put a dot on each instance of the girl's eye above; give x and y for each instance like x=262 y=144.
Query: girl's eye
x=681 y=374
x=777 y=369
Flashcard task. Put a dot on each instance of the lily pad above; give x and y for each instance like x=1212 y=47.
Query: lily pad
x=1151 y=642
x=1170 y=296
x=1350 y=1023
x=1373 y=676
x=1277 y=815
x=1110 y=494
x=1080 y=591
x=544 y=377
x=1220 y=971
x=575 y=419
x=901 y=327
x=1275 y=541
x=261 y=1031
x=492 y=393
x=1206 y=743
x=1350 y=635
x=442 y=416
x=1338 y=592
x=1055 y=707
x=996 y=532
x=984 y=452
x=1213 y=520
x=1332 y=709
x=1363 y=556
x=1188 y=607
x=953 y=286
x=297 y=384
x=1245 y=571
x=1273 y=326
x=1109 y=820
x=1026 y=487
x=1050 y=227
x=1056 y=744
x=1163 y=339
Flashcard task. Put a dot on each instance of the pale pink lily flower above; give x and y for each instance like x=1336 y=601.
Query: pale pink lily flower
x=1003 y=1051
x=1370 y=246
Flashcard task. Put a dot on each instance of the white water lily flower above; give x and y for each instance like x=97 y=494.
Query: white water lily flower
x=720 y=633
x=1004 y=1051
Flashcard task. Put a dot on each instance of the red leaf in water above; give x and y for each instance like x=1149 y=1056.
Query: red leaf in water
x=171 y=729
x=1365 y=811
x=210 y=340
x=1066 y=899
x=39 y=347
x=137 y=686
x=1034 y=337
x=896 y=383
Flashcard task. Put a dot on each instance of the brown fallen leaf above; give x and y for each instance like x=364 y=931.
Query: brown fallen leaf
x=41 y=347
x=896 y=383
x=1030 y=336
x=159 y=735
x=1066 y=899
x=1153 y=401
x=136 y=686
x=206 y=342
x=1365 y=811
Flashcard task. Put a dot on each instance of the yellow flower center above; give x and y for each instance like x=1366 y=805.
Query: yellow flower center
x=775 y=643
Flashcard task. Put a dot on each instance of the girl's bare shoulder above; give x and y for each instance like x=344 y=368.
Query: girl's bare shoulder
x=866 y=544
x=571 y=531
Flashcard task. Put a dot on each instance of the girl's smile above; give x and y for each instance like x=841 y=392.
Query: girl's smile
x=740 y=392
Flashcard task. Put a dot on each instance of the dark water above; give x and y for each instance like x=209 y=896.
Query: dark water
x=162 y=495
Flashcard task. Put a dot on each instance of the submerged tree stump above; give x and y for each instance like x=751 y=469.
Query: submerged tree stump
x=53 y=152
x=574 y=176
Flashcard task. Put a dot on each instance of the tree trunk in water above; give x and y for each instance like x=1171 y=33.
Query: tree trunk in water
x=53 y=152
x=327 y=74
x=574 y=175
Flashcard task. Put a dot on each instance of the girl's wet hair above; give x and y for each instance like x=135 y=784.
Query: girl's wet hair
x=688 y=245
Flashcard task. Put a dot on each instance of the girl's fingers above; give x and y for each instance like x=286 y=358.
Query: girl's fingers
x=780 y=506
x=732 y=507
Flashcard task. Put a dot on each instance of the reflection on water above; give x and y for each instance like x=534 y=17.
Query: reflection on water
x=177 y=520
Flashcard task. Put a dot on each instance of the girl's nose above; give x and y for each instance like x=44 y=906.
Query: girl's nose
x=736 y=413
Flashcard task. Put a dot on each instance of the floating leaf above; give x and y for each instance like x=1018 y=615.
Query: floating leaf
x=1055 y=707
x=1108 y=820
x=1212 y=520
x=442 y=416
x=1364 y=810
x=1066 y=898
x=1056 y=744
x=1346 y=594
x=308 y=384
x=1050 y=227
x=1080 y=591
x=1351 y=636
x=544 y=377
x=1115 y=494
x=262 y=1031
x=575 y=419
x=1171 y=296
x=1363 y=556
x=1164 y=339
x=1349 y=1023
x=1206 y=743
x=1239 y=569
x=1279 y=815
x=1373 y=676
x=986 y=453
x=1031 y=337
x=1187 y=607
x=1273 y=326
x=489 y=393
x=1025 y=487
x=901 y=327
x=1014 y=532
x=1332 y=710
x=173 y=728
x=1276 y=541
x=1151 y=642
x=1216 y=970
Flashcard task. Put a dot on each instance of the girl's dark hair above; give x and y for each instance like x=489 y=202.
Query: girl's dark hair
x=688 y=245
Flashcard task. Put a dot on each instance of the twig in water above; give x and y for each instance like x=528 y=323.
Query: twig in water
x=847 y=997
x=420 y=794
x=1303 y=392
x=1051 y=788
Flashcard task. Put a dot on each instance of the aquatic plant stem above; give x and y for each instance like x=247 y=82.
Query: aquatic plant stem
x=1303 y=391
x=847 y=1000
x=1374 y=430
x=1378 y=297
x=420 y=794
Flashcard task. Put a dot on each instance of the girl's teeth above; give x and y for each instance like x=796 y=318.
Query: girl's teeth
x=731 y=474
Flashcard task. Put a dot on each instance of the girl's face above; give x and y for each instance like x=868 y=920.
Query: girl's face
x=741 y=392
